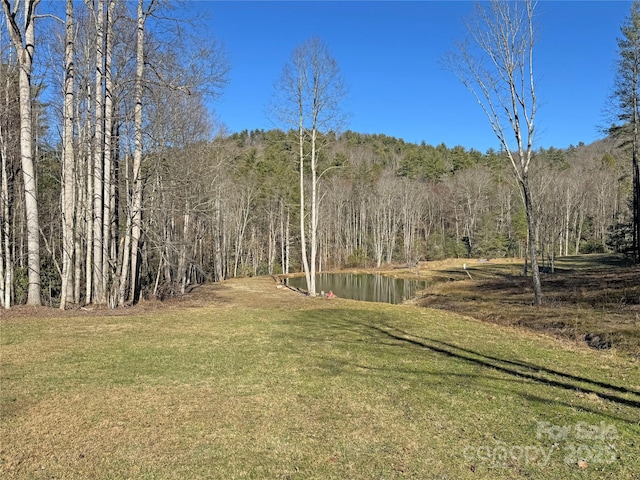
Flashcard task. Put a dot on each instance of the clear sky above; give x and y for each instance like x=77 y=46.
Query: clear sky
x=389 y=55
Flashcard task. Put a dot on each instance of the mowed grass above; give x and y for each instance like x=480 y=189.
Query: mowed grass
x=257 y=382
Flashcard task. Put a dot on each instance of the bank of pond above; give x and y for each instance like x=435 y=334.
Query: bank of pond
x=362 y=286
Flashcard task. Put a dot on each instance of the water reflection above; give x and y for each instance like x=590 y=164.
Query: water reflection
x=367 y=287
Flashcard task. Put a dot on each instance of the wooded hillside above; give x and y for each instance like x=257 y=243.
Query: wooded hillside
x=228 y=207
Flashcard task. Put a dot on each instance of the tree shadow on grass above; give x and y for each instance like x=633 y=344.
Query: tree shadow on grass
x=527 y=365
x=379 y=328
x=518 y=369
x=448 y=376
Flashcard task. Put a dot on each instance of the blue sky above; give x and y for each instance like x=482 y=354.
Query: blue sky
x=389 y=55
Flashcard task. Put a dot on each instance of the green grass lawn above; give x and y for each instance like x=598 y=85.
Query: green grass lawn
x=266 y=384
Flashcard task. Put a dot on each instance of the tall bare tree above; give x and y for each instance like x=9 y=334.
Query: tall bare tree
x=97 y=293
x=134 y=218
x=9 y=150
x=68 y=159
x=495 y=63
x=23 y=39
x=109 y=188
x=312 y=88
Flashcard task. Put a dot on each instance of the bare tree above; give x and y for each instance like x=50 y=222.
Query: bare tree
x=9 y=151
x=133 y=231
x=97 y=290
x=68 y=159
x=109 y=188
x=24 y=42
x=495 y=64
x=310 y=90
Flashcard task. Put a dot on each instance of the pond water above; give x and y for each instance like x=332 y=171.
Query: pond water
x=367 y=287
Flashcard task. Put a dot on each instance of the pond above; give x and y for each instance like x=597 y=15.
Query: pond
x=367 y=287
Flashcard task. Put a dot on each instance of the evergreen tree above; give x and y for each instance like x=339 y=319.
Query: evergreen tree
x=627 y=97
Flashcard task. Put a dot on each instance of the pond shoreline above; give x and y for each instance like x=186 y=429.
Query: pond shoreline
x=371 y=287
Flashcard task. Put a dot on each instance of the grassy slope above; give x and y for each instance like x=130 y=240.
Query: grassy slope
x=594 y=294
x=258 y=382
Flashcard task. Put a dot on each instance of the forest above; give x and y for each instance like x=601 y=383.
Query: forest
x=117 y=185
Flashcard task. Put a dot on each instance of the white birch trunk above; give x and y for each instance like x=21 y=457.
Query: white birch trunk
x=25 y=46
x=136 y=204
x=124 y=259
x=282 y=238
x=79 y=192
x=108 y=185
x=217 y=239
x=314 y=206
x=97 y=293
x=287 y=242
x=182 y=261
x=303 y=240
x=6 y=262
x=88 y=223
x=68 y=160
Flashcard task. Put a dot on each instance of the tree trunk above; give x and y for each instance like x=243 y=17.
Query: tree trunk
x=5 y=251
x=6 y=260
x=97 y=294
x=567 y=230
x=217 y=240
x=88 y=223
x=282 y=238
x=124 y=259
x=303 y=240
x=287 y=242
x=136 y=213
x=532 y=234
x=25 y=47
x=636 y=189
x=68 y=160
x=80 y=193
x=109 y=191
x=314 y=213
x=182 y=261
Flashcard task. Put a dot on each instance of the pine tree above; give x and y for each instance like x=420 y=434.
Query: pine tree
x=627 y=98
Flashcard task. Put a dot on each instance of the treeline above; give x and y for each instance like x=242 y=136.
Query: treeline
x=229 y=207
x=387 y=201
